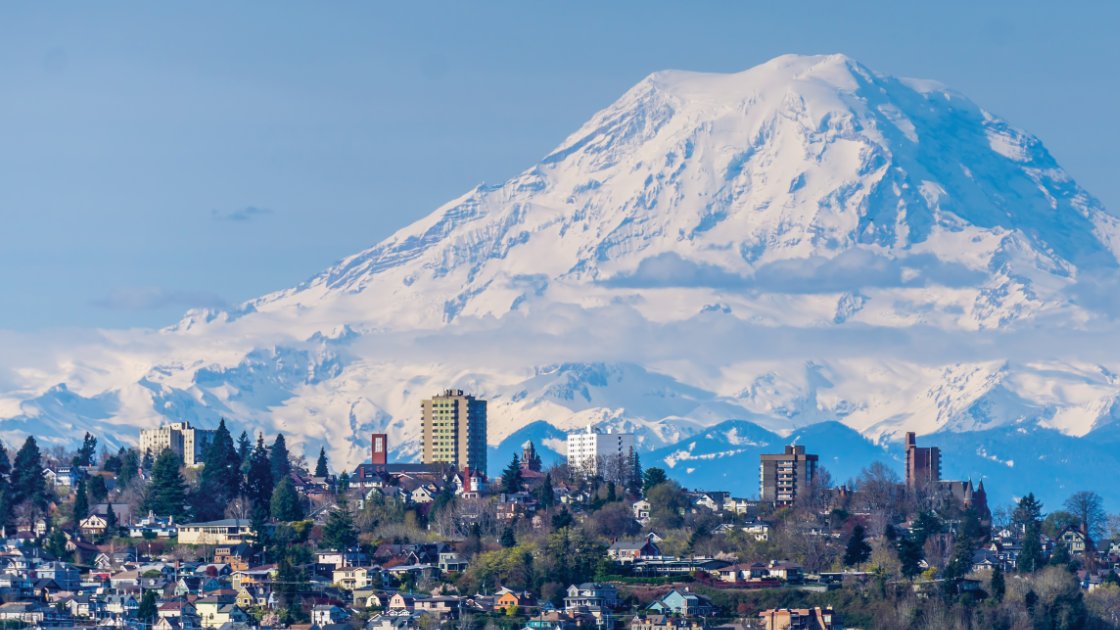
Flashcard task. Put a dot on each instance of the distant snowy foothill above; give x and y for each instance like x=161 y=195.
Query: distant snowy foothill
x=803 y=242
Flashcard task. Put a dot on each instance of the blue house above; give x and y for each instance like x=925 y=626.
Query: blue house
x=683 y=603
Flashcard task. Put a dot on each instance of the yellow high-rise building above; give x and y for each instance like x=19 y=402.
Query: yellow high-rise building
x=453 y=430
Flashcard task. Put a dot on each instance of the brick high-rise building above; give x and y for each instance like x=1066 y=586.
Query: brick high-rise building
x=782 y=476
x=379 y=449
x=453 y=430
x=923 y=464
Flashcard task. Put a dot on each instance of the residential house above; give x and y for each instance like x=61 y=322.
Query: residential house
x=683 y=603
x=591 y=595
x=394 y=621
x=402 y=601
x=450 y=562
x=63 y=476
x=760 y=530
x=737 y=506
x=342 y=559
x=93 y=525
x=66 y=576
x=31 y=613
x=787 y=571
x=1074 y=540
x=152 y=526
x=323 y=615
x=664 y=622
x=351 y=578
x=641 y=511
x=424 y=493
x=442 y=607
x=217 y=610
x=799 y=619
x=756 y=573
x=628 y=551
x=175 y=609
x=230 y=531
x=238 y=556
x=513 y=599
x=253 y=576
x=712 y=501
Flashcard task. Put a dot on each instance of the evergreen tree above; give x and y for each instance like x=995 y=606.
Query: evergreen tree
x=1060 y=556
x=87 y=451
x=652 y=477
x=167 y=493
x=289 y=579
x=244 y=450
x=1028 y=516
x=281 y=464
x=149 y=607
x=97 y=489
x=220 y=480
x=56 y=544
x=259 y=484
x=966 y=542
x=339 y=532
x=81 y=504
x=28 y=484
x=634 y=479
x=1027 y=511
x=546 y=497
x=1030 y=554
x=511 y=476
x=111 y=523
x=147 y=462
x=561 y=519
x=5 y=463
x=858 y=551
x=321 y=468
x=998 y=585
x=285 y=504
x=507 y=540
x=7 y=509
x=909 y=556
x=343 y=482
x=612 y=492
x=129 y=466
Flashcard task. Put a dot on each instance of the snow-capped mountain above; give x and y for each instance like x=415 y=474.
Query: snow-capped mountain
x=801 y=242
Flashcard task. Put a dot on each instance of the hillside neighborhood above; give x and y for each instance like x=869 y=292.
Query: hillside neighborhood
x=251 y=535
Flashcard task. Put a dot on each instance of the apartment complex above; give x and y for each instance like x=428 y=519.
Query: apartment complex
x=590 y=452
x=187 y=442
x=783 y=476
x=923 y=464
x=453 y=430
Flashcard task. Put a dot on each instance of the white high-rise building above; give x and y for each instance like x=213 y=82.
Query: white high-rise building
x=187 y=442
x=590 y=451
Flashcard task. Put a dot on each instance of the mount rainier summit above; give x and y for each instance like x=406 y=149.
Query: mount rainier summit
x=721 y=263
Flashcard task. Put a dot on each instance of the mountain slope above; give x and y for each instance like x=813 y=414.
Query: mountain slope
x=801 y=242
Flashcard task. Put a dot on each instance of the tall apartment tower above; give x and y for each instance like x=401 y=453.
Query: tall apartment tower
x=923 y=464
x=589 y=450
x=379 y=449
x=453 y=430
x=189 y=443
x=783 y=476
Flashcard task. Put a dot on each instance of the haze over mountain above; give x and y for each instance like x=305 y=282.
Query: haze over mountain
x=803 y=242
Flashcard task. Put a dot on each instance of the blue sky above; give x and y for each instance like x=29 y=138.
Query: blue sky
x=158 y=156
